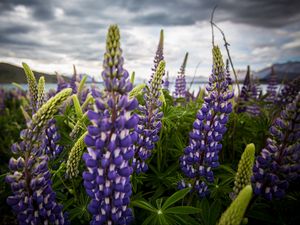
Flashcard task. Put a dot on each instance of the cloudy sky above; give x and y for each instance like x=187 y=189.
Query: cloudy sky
x=52 y=35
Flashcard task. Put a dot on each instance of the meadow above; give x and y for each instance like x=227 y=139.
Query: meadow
x=127 y=153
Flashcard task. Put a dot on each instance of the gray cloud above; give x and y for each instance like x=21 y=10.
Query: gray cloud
x=67 y=31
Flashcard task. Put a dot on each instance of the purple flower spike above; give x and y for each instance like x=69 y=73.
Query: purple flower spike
x=166 y=82
x=278 y=163
x=180 y=83
x=271 y=89
x=159 y=55
x=201 y=155
x=52 y=137
x=110 y=141
x=149 y=123
x=33 y=199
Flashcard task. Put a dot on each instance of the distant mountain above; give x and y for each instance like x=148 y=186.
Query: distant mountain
x=11 y=73
x=283 y=71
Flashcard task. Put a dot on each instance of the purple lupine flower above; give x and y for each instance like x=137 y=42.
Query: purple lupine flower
x=159 y=55
x=180 y=83
x=272 y=87
x=52 y=137
x=149 y=123
x=61 y=83
x=74 y=81
x=110 y=141
x=33 y=199
x=245 y=92
x=201 y=155
x=166 y=83
x=288 y=92
x=279 y=162
x=252 y=108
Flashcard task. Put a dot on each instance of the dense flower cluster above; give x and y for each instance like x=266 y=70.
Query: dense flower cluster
x=149 y=123
x=52 y=137
x=272 y=87
x=245 y=92
x=159 y=56
x=61 y=83
x=244 y=172
x=180 y=83
x=74 y=157
x=166 y=82
x=279 y=161
x=201 y=155
x=288 y=92
x=252 y=108
x=110 y=141
x=234 y=214
x=33 y=199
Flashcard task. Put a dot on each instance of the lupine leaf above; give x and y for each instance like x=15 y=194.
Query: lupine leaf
x=144 y=205
x=182 y=210
x=77 y=107
x=175 y=197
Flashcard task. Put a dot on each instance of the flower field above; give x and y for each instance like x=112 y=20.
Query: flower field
x=127 y=153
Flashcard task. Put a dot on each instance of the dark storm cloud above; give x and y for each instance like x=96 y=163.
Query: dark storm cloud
x=265 y=13
x=42 y=10
x=63 y=31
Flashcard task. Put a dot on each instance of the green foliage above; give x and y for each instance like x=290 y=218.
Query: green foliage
x=163 y=213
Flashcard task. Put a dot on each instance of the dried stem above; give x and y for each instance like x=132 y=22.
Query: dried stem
x=212 y=26
x=229 y=57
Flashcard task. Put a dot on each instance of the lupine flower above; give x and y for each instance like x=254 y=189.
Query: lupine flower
x=289 y=92
x=235 y=212
x=33 y=199
x=41 y=93
x=61 y=83
x=149 y=123
x=244 y=172
x=166 y=82
x=159 y=56
x=245 y=93
x=74 y=81
x=75 y=156
x=252 y=108
x=271 y=89
x=180 y=83
x=110 y=141
x=33 y=89
x=279 y=161
x=201 y=155
x=52 y=137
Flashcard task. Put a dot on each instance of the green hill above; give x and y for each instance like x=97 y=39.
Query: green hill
x=11 y=73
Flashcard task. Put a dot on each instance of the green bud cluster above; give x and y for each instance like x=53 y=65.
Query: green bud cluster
x=33 y=89
x=41 y=92
x=157 y=80
x=235 y=212
x=75 y=157
x=244 y=172
x=46 y=112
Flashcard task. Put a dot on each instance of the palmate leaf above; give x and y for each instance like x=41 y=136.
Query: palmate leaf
x=144 y=205
x=182 y=210
x=175 y=197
